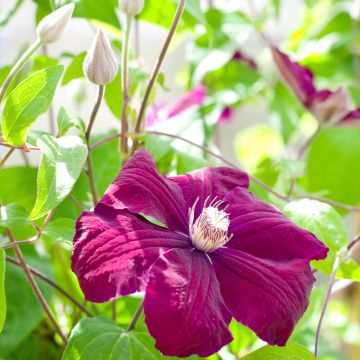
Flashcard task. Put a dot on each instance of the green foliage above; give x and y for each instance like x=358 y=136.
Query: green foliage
x=74 y=70
x=23 y=310
x=13 y=216
x=66 y=121
x=27 y=101
x=61 y=164
x=101 y=339
x=2 y=290
x=333 y=165
x=289 y=352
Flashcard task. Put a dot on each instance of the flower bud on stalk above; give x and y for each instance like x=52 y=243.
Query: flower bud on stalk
x=100 y=65
x=132 y=7
x=53 y=26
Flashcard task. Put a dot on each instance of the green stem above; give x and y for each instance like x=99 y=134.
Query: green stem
x=125 y=89
x=156 y=70
x=136 y=317
x=90 y=171
x=6 y=157
x=18 y=66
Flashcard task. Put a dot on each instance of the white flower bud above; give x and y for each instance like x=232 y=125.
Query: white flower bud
x=52 y=27
x=132 y=7
x=100 y=65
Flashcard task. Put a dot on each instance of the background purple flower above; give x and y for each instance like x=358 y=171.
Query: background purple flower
x=331 y=107
x=221 y=253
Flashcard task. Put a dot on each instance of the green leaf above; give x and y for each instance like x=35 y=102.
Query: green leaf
x=2 y=290
x=59 y=230
x=66 y=121
x=27 y=101
x=23 y=310
x=13 y=216
x=333 y=165
x=18 y=185
x=7 y=15
x=60 y=167
x=101 y=339
x=113 y=96
x=75 y=69
x=328 y=226
x=320 y=219
x=106 y=162
x=289 y=352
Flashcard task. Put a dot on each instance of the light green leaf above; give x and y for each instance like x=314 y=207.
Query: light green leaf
x=60 y=167
x=2 y=290
x=113 y=96
x=101 y=339
x=320 y=219
x=59 y=230
x=66 y=120
x=27 y=101
x=289 y=352
x=74 y=70
x=13 y=216
x=333 y=165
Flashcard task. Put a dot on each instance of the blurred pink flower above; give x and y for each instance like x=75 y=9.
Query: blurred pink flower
x=330 y=107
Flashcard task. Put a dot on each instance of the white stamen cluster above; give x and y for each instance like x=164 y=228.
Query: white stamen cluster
x=210 y=230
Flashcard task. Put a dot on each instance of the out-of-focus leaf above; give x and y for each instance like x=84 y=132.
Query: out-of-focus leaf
x=27 y=101
x=66 y=121
x=59 y=230
x=247 y=147
x=2 y=289
x=289 y=352
x=106 y=162
x=244 y=338
x=113 y=96
x=23 y=310
x=74 y=70
x=13 y=216
x=333 y=165
x=61 y=164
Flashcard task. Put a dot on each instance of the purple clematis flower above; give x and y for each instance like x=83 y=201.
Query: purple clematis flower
x=328 y=107
x=221 y=253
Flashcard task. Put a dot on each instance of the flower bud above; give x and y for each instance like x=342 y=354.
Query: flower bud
x=52 y=27
x=100 y=65
x=132 y=7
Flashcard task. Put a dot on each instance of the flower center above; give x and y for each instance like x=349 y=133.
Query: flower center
x=210 y=230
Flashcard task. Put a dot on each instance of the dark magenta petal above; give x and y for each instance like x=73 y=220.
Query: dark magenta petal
x=331 y=106
x=298 y=78
x=113 y=250
x=141 y=189
x=183 y=306
x=268 y=297
x=351 y=119
x=261 y=230
x=209 y=183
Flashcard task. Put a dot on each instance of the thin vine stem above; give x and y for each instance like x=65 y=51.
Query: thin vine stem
x=156 y=70
x=21 y=147
x=125 y=88
x=285 y=198
x=18 y=66
x=34 y=286
x=90 y=171
x=6 y=157
x=51 y=283
x=136 y=317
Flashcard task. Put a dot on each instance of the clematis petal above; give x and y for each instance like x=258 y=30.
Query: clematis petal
x=268 y=297
x=329 y=107
x=113 y=250
x=141 y=189
x=351 y=119
x=183 y=307
x=261 y=230
x=209 y=183
x=298 y=78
